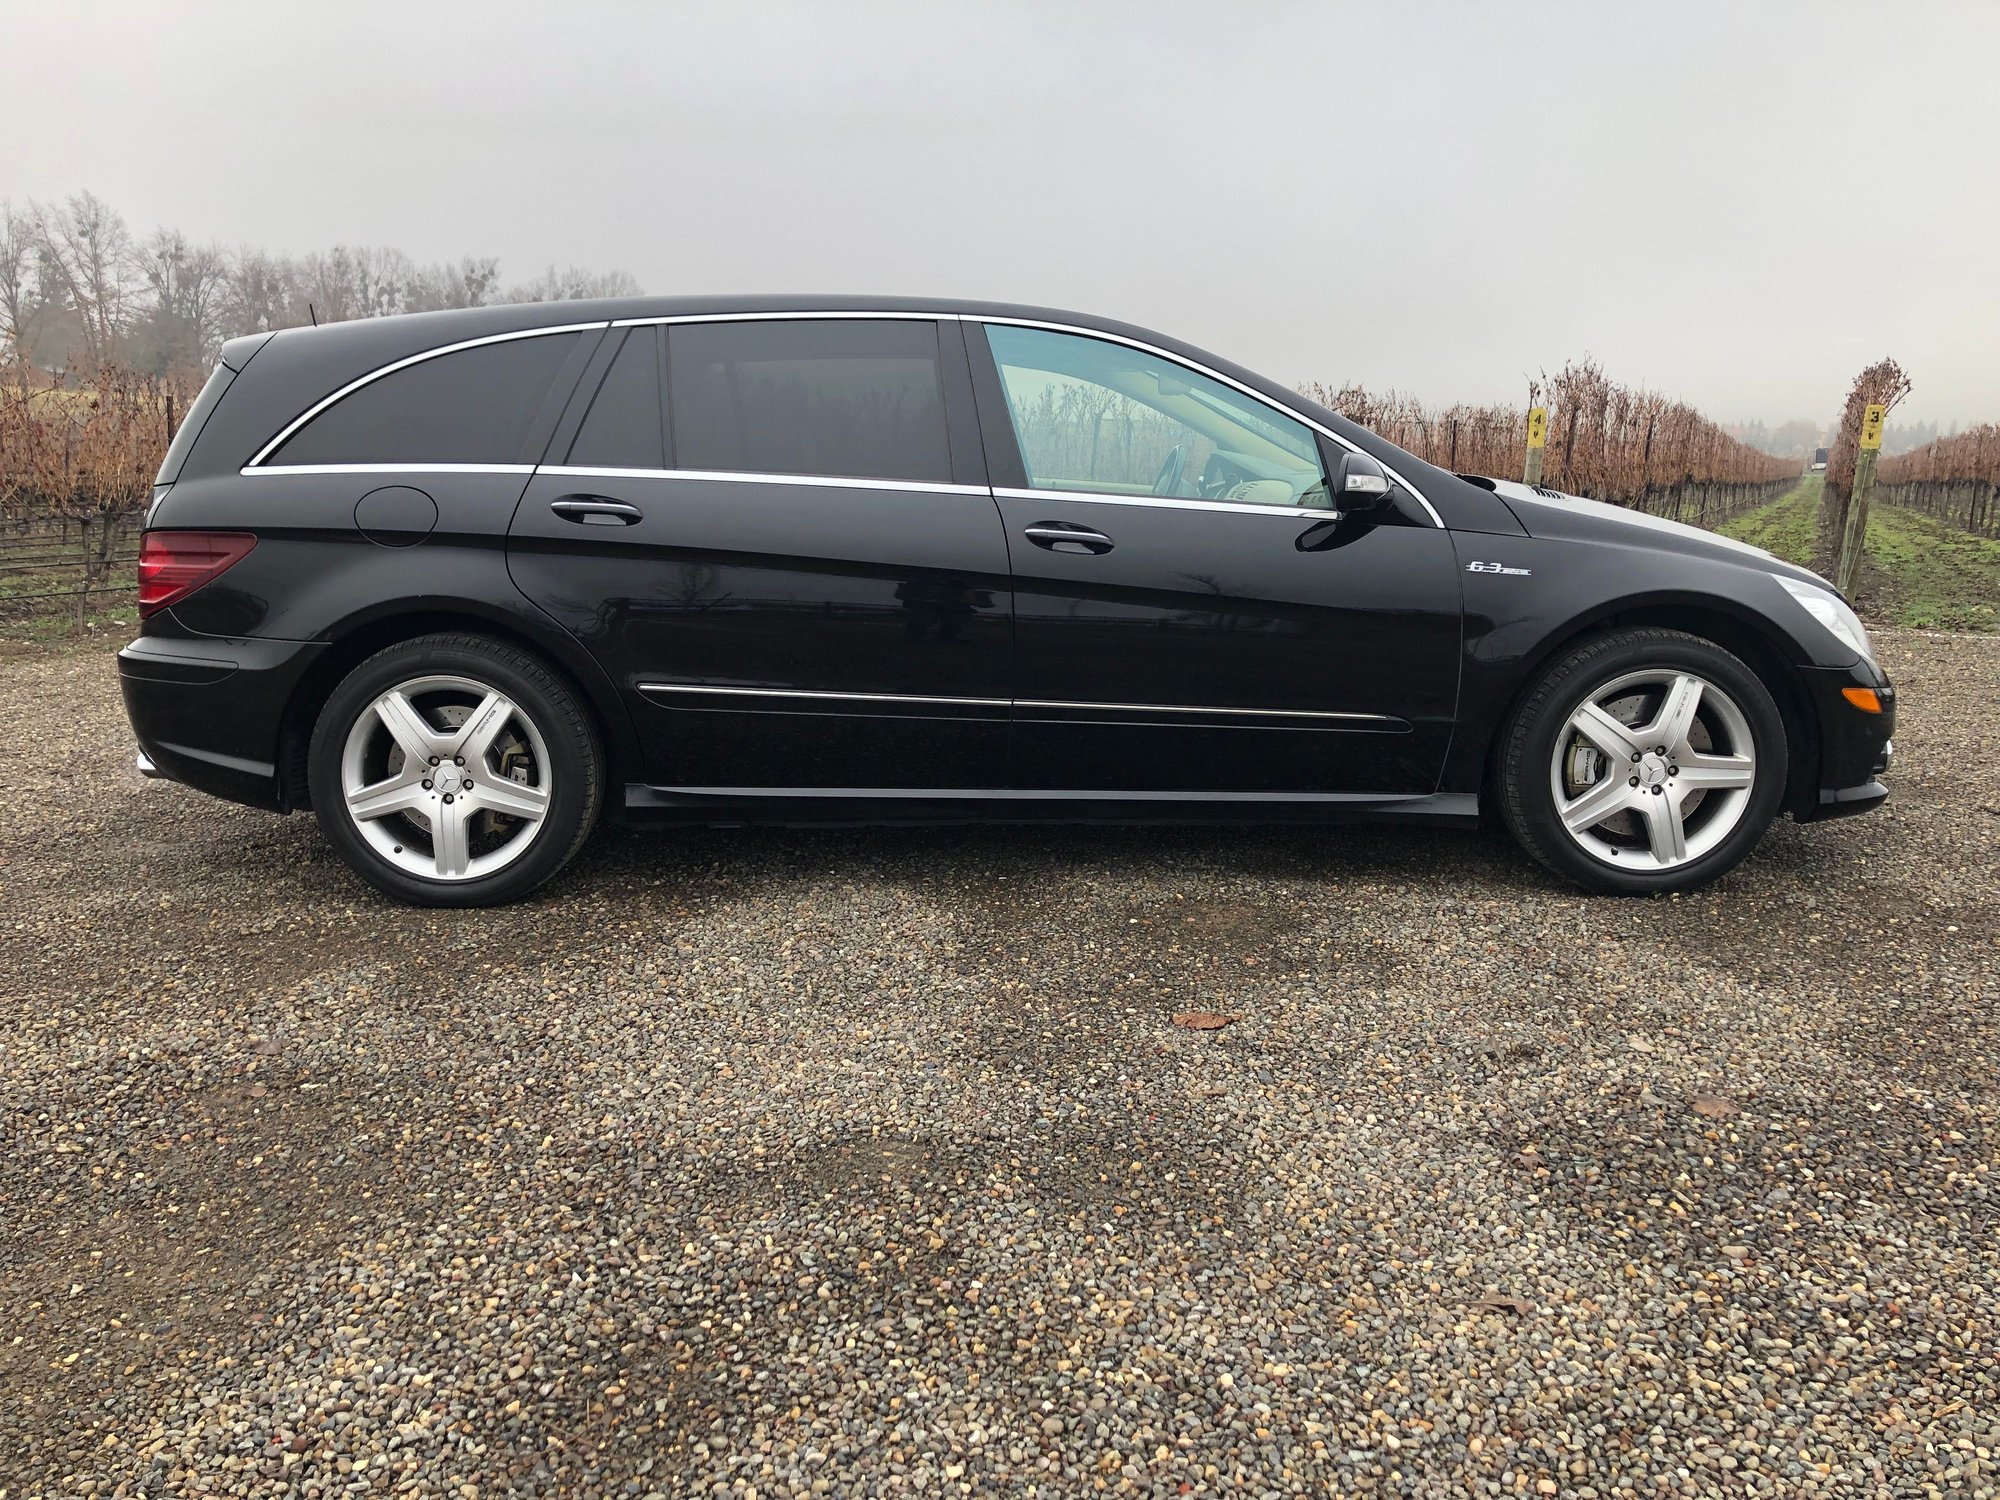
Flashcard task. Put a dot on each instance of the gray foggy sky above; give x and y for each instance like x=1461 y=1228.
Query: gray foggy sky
x=1737 y=204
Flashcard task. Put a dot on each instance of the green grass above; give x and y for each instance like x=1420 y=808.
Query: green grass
x=1788 y=525
x=1917 y=572
x=1943 y=578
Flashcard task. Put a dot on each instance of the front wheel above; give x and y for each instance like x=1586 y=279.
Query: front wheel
x=1643 y=761
x=455 y=770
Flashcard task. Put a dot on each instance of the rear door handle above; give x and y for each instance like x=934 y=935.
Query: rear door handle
x=595 y=510
x=1062 y=536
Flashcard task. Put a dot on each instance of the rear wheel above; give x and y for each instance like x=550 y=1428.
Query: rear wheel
x=1645 y=760
x=455 y=770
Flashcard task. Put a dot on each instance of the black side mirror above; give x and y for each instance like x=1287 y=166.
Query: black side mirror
x=1359 y=484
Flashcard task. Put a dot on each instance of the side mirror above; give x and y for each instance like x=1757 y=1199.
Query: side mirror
x=1359 y=484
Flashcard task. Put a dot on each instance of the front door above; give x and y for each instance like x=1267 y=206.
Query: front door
x=1187 y=616
x=798 y=578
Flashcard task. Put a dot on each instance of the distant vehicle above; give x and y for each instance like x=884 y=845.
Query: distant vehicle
x=1819 y=461
x=460 y=580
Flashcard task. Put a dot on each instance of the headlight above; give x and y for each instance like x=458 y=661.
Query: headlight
x=1827 y=607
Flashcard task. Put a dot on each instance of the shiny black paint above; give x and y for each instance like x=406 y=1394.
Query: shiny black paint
x=1225 y=609
x=880 y=591
x=786 y=588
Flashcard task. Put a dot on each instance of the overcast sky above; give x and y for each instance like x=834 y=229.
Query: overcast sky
x=1739 y=204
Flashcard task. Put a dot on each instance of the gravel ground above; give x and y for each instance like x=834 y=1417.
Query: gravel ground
x=785 y=1163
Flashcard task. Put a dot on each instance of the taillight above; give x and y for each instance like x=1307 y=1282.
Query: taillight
x=173 y=564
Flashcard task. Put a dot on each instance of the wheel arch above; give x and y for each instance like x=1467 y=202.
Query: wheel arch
x=360 y=637
x=1736 y=631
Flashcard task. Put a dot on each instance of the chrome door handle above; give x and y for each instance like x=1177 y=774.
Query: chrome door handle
x=595 y=510
x=1061 y=536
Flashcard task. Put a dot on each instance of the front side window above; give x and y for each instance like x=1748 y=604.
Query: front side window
x=843 y=397
x=1104 y=418
x=473 y=406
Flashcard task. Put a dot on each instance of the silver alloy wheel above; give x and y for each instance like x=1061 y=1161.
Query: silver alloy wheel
x=446 y=778
x=1653 y=770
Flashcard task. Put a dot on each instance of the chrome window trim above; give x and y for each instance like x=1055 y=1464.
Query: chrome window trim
x=1169 y=502
x=1151 y=708
x=804 y=314
x=389 y=469
x=732 y=476
x=257 y=460
x=777 y=317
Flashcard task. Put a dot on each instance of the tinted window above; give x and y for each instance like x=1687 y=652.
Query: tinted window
x=192 y=423
x=1106 y=418
x=622 y=428
x=845 y=397
x=472 y=407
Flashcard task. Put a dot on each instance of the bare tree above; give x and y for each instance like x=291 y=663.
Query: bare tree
x=85 y=246
x=334 y=284
x=470 y=282
x=18 y=300
x=77 y=296
x=262 y=293
x=187 y=284
x=572 y=283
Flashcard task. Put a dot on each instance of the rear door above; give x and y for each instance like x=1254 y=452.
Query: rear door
x=775 y=535
x=1188 y=616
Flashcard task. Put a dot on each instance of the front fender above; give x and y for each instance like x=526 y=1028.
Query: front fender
x=1529 y=599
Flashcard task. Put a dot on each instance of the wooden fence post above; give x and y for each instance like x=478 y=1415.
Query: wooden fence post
x=1538 y=439
x=1854 y=538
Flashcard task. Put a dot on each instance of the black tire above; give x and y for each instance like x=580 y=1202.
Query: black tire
x=574 y=771
x=1531 y=740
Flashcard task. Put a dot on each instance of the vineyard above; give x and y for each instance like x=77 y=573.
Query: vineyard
x=1630 y=447
x=76 y=467
x=1954 y=479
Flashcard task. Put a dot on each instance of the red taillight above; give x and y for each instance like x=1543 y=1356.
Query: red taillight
x=173 y=564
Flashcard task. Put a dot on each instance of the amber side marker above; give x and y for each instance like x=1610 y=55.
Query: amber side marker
x=1864 y=699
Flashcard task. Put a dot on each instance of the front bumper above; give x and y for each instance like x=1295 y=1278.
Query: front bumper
x=207 y=710
x=1855 y=747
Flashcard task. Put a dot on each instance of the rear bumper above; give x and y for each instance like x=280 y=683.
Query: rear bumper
x=1855 y=746
x=207 y=710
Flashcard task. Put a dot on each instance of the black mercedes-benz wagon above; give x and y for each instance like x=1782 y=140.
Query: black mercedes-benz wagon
x=462 y=581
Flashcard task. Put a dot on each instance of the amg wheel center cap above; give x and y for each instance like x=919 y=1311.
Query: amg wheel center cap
x=448 y=778
x=1652 y=770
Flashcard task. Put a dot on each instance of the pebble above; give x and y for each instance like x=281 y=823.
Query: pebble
x=796 y=1163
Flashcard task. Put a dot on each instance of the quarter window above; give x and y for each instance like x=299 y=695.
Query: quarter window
x=1105 y=418
x=474 y=406
x=851 y=398
x=622 y=428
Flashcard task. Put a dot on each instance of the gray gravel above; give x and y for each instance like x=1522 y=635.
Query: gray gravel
x=786 y=1163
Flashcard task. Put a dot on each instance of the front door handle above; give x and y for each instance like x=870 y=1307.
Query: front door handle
x=1062 y=536
x=595 y=510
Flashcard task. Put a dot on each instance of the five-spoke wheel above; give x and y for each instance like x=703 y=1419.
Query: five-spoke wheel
x=1655 y=769
x=446 y=777
x=1644 y=760
x=455 y=770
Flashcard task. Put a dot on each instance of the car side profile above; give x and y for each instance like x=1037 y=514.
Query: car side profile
x=463 y=582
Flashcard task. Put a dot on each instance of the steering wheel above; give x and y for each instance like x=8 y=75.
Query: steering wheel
x=1172 y=471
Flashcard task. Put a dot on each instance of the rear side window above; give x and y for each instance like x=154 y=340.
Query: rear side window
x=191 y=424
x=474 y=406
x=847 y=398
x=622 y=428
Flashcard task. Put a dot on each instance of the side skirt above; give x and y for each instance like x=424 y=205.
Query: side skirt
x=864 y=806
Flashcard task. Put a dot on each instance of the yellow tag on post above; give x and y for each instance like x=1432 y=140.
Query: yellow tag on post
x=1538 y=426
x=1871 y=427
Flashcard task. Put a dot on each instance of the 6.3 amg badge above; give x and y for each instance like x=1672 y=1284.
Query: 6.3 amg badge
x=1487 y=567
